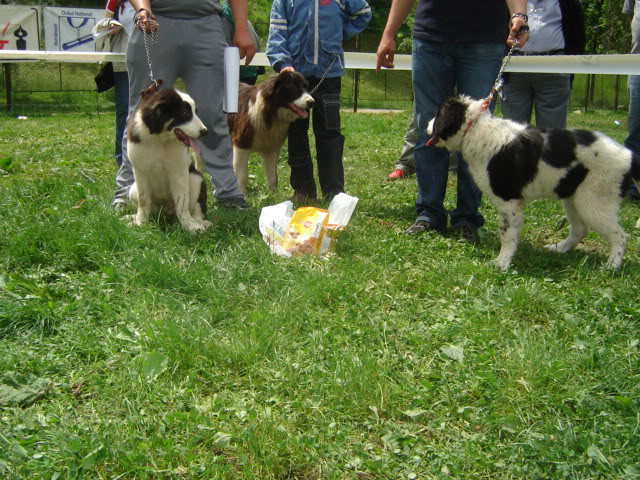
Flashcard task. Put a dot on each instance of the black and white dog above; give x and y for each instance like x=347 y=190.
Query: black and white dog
x=264 y=114
x=514 y=164
x=159 y=133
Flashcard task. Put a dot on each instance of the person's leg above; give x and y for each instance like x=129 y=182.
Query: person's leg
x=632 y=142
x=202 y=69
x=516 y=98
x=299 y=155
x=121 y=81
x=329 y=139
x=138 y=81
x=552 y=93
x=433 y=77
x=407 y=161
x=477 y=68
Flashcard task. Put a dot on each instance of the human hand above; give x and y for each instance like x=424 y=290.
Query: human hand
x=516 y=24
x=386 y=52
x=244 y=41
x=145 y=21
x=288 y=69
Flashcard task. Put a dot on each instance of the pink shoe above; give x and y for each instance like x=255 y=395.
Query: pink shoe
x=398 y=173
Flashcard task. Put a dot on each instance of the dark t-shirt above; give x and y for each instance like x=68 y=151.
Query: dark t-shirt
x=462 y=21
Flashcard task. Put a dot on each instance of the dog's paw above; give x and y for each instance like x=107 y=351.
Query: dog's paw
x=193 y=226
x=206 y=223
x=134 y=220
x=557 y=247
x=503 y=263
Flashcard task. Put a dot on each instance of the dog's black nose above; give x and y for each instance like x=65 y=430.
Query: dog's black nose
x=310 y=102
x=203 y=132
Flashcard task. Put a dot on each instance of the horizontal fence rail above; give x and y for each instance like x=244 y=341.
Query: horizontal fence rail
x=595 y=64
x=39 y=81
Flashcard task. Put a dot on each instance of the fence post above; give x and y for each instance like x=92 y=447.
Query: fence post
x=7 y=86
x=615 y=108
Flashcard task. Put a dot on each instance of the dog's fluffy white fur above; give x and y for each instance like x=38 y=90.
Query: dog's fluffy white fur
x=513 y=164
x=158 y=135
x=264 y=114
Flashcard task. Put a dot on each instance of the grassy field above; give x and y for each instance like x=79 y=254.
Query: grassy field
x=149 y=353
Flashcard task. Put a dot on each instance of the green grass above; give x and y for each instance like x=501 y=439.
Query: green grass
x=178 y=356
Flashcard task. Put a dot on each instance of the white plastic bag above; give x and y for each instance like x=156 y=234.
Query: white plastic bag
x=308 y=230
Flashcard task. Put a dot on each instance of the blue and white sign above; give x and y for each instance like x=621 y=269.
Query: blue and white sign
x=70 y=28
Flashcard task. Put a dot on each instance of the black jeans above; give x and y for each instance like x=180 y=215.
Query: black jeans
x=329 y=143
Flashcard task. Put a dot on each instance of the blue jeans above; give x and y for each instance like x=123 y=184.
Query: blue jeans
x=632 y=142
x=439 y=69
x=121 y=81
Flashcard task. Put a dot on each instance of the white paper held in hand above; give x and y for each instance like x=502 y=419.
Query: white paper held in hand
x=231 y=79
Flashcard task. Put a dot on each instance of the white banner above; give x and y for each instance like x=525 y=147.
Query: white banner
x=69 y=28
x=19 y=28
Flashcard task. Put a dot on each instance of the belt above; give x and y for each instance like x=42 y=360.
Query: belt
x=559 y=51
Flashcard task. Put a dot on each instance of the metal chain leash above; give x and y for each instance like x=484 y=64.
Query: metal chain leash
x=155 y=36
x=324 y=75
x=497 y=86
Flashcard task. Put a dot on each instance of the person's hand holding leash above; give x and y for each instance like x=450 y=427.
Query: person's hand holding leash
x=145 y=21
x=518 y=29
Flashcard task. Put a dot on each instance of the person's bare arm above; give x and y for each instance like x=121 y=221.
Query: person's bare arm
x=517 y=6
x=387 y=48
x=242 y=37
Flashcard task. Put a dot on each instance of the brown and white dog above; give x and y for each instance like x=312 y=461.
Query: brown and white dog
x=513 y=164
x=265 y=112
x=159 y=133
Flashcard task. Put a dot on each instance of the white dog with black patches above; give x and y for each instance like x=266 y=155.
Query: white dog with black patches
x=159 y=133
x=513 y=164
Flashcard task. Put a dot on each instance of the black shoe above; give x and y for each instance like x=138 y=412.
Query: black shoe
x=468 y=233
x=300 y=198
x=234 y=202
x=419 y=227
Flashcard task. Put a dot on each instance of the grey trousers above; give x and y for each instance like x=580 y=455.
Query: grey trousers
x=407 y=162
x=548 y=93
x=191 y=49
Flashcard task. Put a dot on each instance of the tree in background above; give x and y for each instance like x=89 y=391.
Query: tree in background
x=607 y=27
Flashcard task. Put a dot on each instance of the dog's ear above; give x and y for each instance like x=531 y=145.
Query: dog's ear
x=449 y=119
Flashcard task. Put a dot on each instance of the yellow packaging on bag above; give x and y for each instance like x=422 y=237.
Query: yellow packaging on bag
x=306 y=231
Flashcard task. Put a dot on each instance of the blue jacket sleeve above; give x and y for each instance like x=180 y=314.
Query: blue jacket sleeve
x=277 y=43
x=358 y=17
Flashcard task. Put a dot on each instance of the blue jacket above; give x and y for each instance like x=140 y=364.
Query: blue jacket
x=308 y=34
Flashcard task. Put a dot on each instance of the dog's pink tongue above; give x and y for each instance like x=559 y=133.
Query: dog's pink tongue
x=193 y=143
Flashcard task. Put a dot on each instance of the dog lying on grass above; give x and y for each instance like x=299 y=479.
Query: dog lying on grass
x=513 y=164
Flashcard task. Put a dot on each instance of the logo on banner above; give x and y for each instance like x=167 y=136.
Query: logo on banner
x=70 y=29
